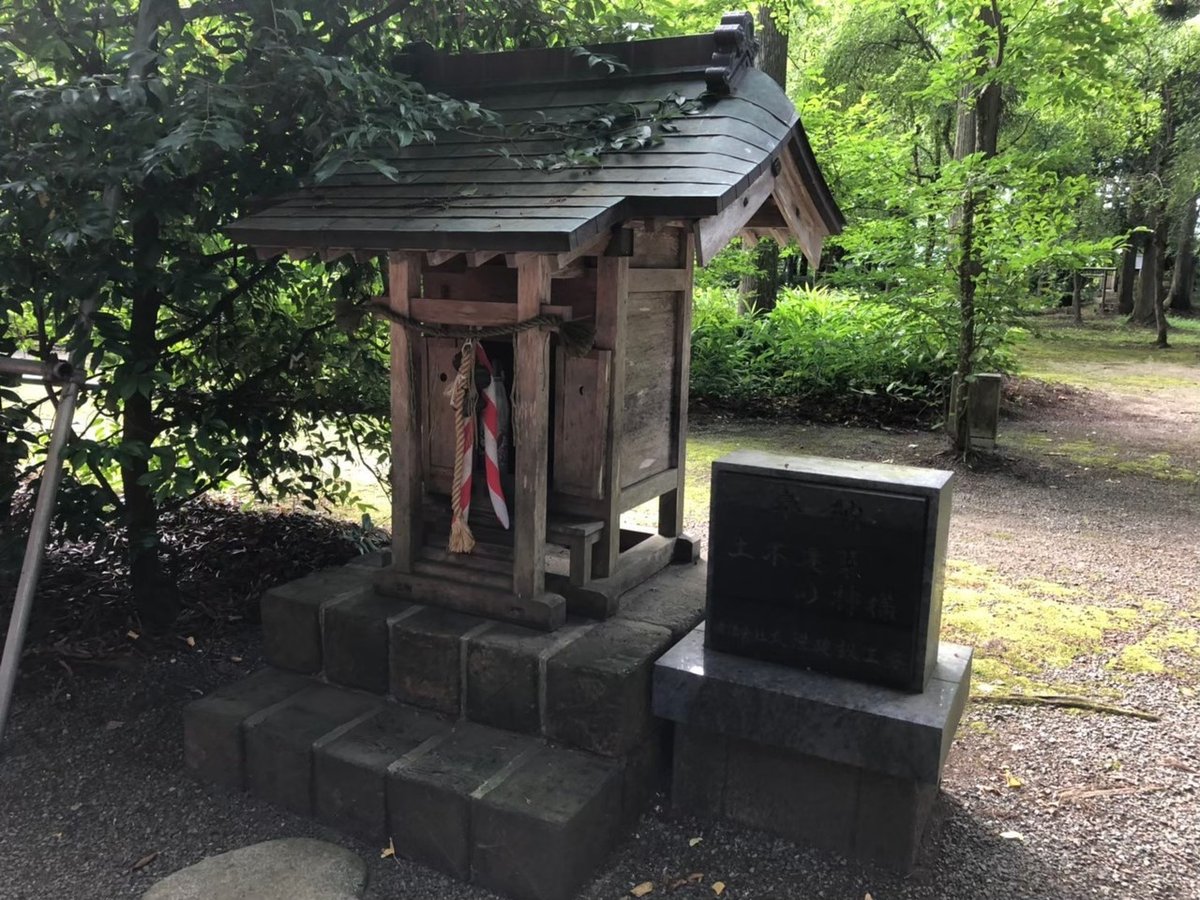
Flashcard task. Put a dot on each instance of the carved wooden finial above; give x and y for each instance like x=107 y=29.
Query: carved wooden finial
x=735 y=50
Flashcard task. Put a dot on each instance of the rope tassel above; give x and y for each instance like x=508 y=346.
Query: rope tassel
x=462 y=401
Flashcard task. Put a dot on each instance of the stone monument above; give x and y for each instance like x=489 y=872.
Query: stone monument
x=816 y=701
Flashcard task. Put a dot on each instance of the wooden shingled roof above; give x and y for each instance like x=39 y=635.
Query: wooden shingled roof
x=477 y=191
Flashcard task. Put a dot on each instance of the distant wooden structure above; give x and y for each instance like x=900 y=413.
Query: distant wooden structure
x=473 y=239
x=1104 y=279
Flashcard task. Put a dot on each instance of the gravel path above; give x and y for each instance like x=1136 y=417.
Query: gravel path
x=1037 y=802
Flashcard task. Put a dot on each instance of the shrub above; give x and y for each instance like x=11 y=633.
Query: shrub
x=816 y=347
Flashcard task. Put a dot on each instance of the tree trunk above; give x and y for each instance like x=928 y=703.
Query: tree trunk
x=1128 y=278
x=761 y=290
x=154 y=597
x=1184 y=275
x=773 y=44
x=1146 y=298
x=978 y=132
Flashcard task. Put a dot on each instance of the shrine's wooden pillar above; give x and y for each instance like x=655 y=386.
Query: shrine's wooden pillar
x=612 y=292
x=531 y=420
x=404 y=283
x=670 y=504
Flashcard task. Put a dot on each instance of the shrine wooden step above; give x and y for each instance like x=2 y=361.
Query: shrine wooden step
x=510 y=812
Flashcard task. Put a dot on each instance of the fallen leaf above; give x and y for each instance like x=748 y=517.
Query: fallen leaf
x=695 y=877
x=867 y=896
x=718 y=888
x=1012 y=835
x=692 y=842
x=643 y=889
x=1012 y=780
x=389 y=851
x=191 y=641
x=144 y=861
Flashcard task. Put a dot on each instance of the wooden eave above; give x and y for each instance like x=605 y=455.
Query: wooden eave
x=463 y=194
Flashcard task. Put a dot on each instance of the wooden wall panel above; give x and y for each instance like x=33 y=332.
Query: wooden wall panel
x=581 y=416
x=651 y=397
x=439 y=417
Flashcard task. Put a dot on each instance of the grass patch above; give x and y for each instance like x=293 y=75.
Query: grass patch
x=1108 y=353
x=1090 y=454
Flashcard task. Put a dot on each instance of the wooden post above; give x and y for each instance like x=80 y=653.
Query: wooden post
x=1077 y=296
x=670 y=504
x=531 y=418
x=612 y=292
x=404 y=283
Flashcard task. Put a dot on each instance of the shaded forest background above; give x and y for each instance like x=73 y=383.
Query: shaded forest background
x=983 y=153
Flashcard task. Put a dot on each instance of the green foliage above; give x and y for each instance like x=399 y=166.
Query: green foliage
x=130 y=133
x=816 y=347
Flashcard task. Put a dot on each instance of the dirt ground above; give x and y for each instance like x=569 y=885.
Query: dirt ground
x=1073 y=569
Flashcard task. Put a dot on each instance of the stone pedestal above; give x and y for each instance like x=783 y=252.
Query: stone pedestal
x=849 y=767
x=501 y=755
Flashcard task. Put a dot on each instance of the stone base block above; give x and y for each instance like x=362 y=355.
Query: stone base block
x=212 y=726
x=355 y=640
x=597 y=687
x=427 y=653
x=506 y=811
x=851 y=811
x=543 y=830
x=847 y=766
x=292 y=612
x=350 y=766
x=279 y=742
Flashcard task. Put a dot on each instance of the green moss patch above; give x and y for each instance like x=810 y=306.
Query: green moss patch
x=1023 y=632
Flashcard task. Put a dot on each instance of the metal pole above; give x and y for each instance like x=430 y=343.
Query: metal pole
x=31 y=566
x=52 y=370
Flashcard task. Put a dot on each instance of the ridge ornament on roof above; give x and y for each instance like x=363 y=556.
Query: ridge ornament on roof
x=736 y=48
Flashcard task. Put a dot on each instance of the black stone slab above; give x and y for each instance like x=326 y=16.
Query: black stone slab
x=291 y=615
x=279 y=742
x=350 y=767
x=598 y=687
x=542 y=831
x=828 y=564
x=429 y=794
x=355 y=640
x=212 y=725
x=852 y=811
x=877 y=728
x=427 y=654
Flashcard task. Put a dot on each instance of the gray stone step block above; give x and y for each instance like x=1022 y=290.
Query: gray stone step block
x=877 y=728
x=429 y=795
x=279 y=742
x=355 y=640
x=598 y=687
x=427 y=657
x=506 y=668
x=673 y=599
x=291 y=615
x=542 y=831
x=212 y=726
x=350 y=766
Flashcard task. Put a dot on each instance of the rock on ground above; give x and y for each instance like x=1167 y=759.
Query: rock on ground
x=285 y=869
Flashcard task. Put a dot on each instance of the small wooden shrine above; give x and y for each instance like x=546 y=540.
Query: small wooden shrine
x=490 y=260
